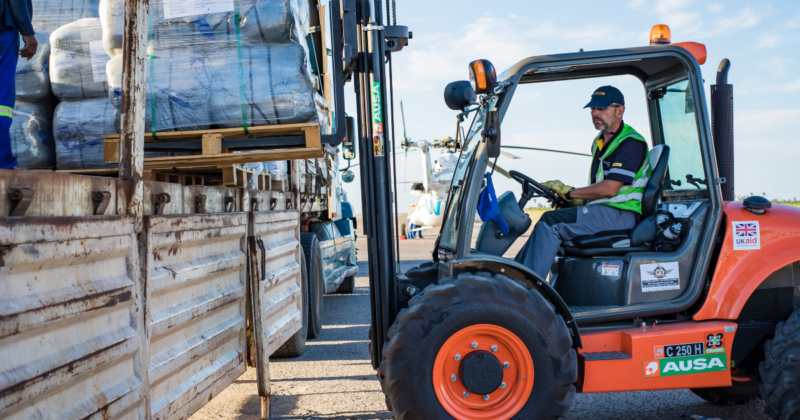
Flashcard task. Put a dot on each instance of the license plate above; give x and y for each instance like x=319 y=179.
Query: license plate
x=679 y=350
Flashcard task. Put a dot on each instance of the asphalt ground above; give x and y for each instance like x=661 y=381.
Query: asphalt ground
x=333 y=379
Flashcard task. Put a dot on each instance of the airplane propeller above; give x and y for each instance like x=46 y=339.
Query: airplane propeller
x=545 y=150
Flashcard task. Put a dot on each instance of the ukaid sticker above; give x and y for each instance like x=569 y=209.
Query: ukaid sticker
x=660 y=276
x=746 y=235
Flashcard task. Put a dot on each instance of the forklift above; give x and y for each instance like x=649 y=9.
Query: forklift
x=473 y=334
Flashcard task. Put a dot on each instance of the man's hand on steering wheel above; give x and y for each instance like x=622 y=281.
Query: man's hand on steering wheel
x=532 y=189
x=561 y=189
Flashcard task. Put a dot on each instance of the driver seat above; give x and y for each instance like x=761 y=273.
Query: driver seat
x=640 y=238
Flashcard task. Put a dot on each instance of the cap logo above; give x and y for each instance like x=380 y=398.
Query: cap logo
x=599 y=93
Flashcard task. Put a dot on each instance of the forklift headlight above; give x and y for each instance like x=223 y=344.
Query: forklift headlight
x=482 y=76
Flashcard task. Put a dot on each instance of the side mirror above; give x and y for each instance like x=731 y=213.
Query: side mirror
x=459 y=95
x=491 y=134
x=348 y=176
x=349 y=143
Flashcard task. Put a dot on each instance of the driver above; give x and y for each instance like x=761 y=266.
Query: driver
x=612 y=201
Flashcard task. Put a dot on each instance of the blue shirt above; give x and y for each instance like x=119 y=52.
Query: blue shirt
x=16 y=15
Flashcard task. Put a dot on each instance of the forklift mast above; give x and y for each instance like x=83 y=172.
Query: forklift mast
x=368 y=43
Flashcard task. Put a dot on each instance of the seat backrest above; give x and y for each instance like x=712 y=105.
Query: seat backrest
x=659 y=155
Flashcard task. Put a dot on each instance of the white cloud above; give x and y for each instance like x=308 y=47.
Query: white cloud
x=716 y=7
x=768 y=41
x=790 y=87
x=750 y=124
x=637 y=4
x=440 y=58
x=726 y=26
x=777 y=66
x=682 y=23
x=747 y=19
x=670 y=5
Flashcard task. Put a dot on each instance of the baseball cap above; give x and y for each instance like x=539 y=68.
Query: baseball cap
x=604 y=96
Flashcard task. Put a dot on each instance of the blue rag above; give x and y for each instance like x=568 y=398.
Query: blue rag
x=488 y=208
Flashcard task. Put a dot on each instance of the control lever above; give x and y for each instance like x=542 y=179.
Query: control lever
x=692 y=180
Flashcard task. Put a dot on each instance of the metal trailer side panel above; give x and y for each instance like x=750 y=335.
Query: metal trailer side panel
x=71 y=336
x=196 y=310
x=265 y=200
x=56 y=194
x=275 y=273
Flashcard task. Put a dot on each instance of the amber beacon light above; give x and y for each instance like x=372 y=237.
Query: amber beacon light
x=660 y=35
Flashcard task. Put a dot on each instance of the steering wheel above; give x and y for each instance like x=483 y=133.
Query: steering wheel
x=532 y=189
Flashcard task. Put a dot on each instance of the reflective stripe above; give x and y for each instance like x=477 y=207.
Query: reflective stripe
x=620 y=198
x=629 y=197
x=620 y=171
x=6 y=111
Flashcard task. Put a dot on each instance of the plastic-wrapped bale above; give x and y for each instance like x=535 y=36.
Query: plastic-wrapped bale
x=78 y=61
x=269 y=21
x=49 y=15
x=32 y=136
x=32 y=78
x=199 y=86
x=280 y=167
x=78 y=128
x=322 y=109
x=179 y=100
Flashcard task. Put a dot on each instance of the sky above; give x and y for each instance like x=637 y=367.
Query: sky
x=759 y=37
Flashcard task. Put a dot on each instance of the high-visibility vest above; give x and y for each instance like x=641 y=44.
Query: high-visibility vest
x=629 y=196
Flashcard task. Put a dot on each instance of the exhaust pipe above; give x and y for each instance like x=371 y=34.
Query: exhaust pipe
x=722 y=127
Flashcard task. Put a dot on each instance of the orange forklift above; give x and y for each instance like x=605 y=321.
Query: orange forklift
x=473 y=334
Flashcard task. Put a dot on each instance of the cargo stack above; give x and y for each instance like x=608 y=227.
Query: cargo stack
x=219 y=64
x=211 y=64
x=78 y=80
x=31 y=134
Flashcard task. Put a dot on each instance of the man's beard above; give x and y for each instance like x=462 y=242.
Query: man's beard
x=599 y=124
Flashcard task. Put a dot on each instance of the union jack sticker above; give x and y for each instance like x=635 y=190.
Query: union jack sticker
x=746 y=236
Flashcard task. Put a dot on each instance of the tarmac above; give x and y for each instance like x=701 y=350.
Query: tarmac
x=334 y=379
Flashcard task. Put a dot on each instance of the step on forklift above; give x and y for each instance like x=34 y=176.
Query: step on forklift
x=473 y=334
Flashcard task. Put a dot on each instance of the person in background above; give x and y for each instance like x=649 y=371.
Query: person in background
x=15 y=19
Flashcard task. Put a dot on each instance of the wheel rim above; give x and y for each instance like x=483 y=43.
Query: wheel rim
x=502 y=403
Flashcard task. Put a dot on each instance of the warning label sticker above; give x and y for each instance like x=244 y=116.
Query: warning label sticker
x=609 y=270
x=746 y=235
x=660 y=276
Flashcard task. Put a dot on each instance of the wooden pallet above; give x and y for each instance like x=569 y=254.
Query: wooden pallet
x=214 y=154
x=234 y=176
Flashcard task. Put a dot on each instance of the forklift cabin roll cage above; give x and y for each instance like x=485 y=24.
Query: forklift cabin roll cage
x=678 y=65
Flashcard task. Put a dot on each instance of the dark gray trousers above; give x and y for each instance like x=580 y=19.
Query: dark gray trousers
x=566 y=224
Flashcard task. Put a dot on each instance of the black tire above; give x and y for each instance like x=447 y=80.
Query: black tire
x=348 y=285
x=295 y=346
x=378 y=372
x=738 y=393
x=316 y=282
x=780 y=371
x=470 y=299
